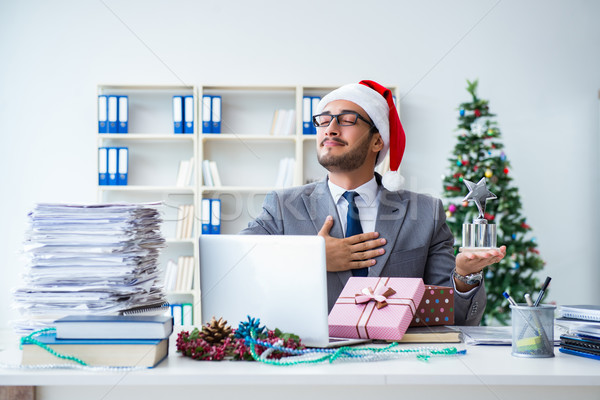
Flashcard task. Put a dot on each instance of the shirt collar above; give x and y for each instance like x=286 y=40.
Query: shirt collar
x=367 y=191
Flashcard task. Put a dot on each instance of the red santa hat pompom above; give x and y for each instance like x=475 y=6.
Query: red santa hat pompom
x=378 y=103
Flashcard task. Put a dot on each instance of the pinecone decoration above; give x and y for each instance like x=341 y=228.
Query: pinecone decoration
x=215 y=332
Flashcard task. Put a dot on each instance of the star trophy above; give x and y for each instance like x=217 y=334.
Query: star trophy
x=480 y=235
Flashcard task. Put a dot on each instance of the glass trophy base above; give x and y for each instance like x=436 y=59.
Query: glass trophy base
x=479 y=236
x=476 y=249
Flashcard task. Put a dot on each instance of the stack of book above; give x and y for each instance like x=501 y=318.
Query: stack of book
x=582 y=323
x=89 y=259
x=110 y=341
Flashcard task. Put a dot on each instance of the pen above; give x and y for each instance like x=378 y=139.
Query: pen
x=541 y=294
x=510 y=299
x=528 y=300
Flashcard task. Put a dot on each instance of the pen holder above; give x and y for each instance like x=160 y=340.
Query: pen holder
x=533 y=331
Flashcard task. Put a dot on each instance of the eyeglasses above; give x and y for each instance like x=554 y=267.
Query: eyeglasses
x=347 y=118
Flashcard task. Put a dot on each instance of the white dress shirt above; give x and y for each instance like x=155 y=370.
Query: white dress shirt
x=367 y=202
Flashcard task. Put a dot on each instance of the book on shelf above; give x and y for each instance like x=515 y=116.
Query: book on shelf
x=113 y=165
x=210 y=173
x=113 y=113
x=214 y=172
x=102 y=114
x=284 y=122
x=177 y=114
x=432 y=334
x=211 y=114
x=587 y=312
x=182 y=313
x=188 y=114
x=102 y=166
x=314 y=104
x=170 y=276
x=185 y=173
x=215 y=114
x=185 y=222
x=285 y=173
x=309 y=107
x=123 y=114
x=114 y=327
x=97 y=352
x=185 y=274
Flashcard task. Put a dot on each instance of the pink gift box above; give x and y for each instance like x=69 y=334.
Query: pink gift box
x=375 y=308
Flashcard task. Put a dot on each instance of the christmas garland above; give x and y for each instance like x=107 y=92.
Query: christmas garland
x=217 y=341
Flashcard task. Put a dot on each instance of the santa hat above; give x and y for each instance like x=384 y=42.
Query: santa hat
x=378 y=103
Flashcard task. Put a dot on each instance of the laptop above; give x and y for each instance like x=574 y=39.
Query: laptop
x=280 y=279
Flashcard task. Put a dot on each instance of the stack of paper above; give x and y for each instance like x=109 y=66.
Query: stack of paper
x=95 y=259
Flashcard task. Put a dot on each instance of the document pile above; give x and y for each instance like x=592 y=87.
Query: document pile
x=89 y=259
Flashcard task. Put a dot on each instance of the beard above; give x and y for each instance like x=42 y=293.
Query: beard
x=350 y=161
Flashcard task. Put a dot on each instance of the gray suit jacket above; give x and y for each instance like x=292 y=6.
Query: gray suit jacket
x=419 y=243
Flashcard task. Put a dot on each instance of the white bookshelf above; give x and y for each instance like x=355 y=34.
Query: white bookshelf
x=246 y=153
x=154 y=156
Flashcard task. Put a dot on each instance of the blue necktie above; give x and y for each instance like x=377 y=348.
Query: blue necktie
x=353 y=226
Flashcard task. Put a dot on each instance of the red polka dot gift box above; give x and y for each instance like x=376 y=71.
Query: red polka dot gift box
x=375 y=308
x=436 y=307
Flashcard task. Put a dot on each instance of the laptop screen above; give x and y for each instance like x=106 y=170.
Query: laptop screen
x=280 y=279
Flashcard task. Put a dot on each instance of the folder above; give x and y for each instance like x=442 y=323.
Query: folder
x=177 y=314
x=205 y=216
x=215 y=216
x=123 y=165
x=123 y=114
x=188 y=113
x=112 y=165
x=313 y=109
x=216 y=114
x=188 y=313
x=177 y=114
x=206 y=114
x=113 y=113
x=102 y=166
x=306 y=116
x=102 y=114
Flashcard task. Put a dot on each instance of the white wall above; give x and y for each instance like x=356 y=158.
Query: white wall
x=537 y=61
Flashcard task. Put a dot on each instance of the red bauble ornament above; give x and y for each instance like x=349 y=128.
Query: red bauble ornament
x=475 y=168
x=489 y=217
x=465 y=162
x=477 y=113
x=506 y=171
x=525 y=226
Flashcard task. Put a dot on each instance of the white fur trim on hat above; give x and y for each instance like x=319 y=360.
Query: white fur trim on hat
x=372 y=102
x=392 y=181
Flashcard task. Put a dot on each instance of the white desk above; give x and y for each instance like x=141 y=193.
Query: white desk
x=485 y=372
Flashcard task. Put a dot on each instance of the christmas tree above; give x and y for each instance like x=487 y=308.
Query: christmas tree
x=478 y=153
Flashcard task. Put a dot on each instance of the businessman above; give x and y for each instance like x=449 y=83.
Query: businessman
x=372 y=227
